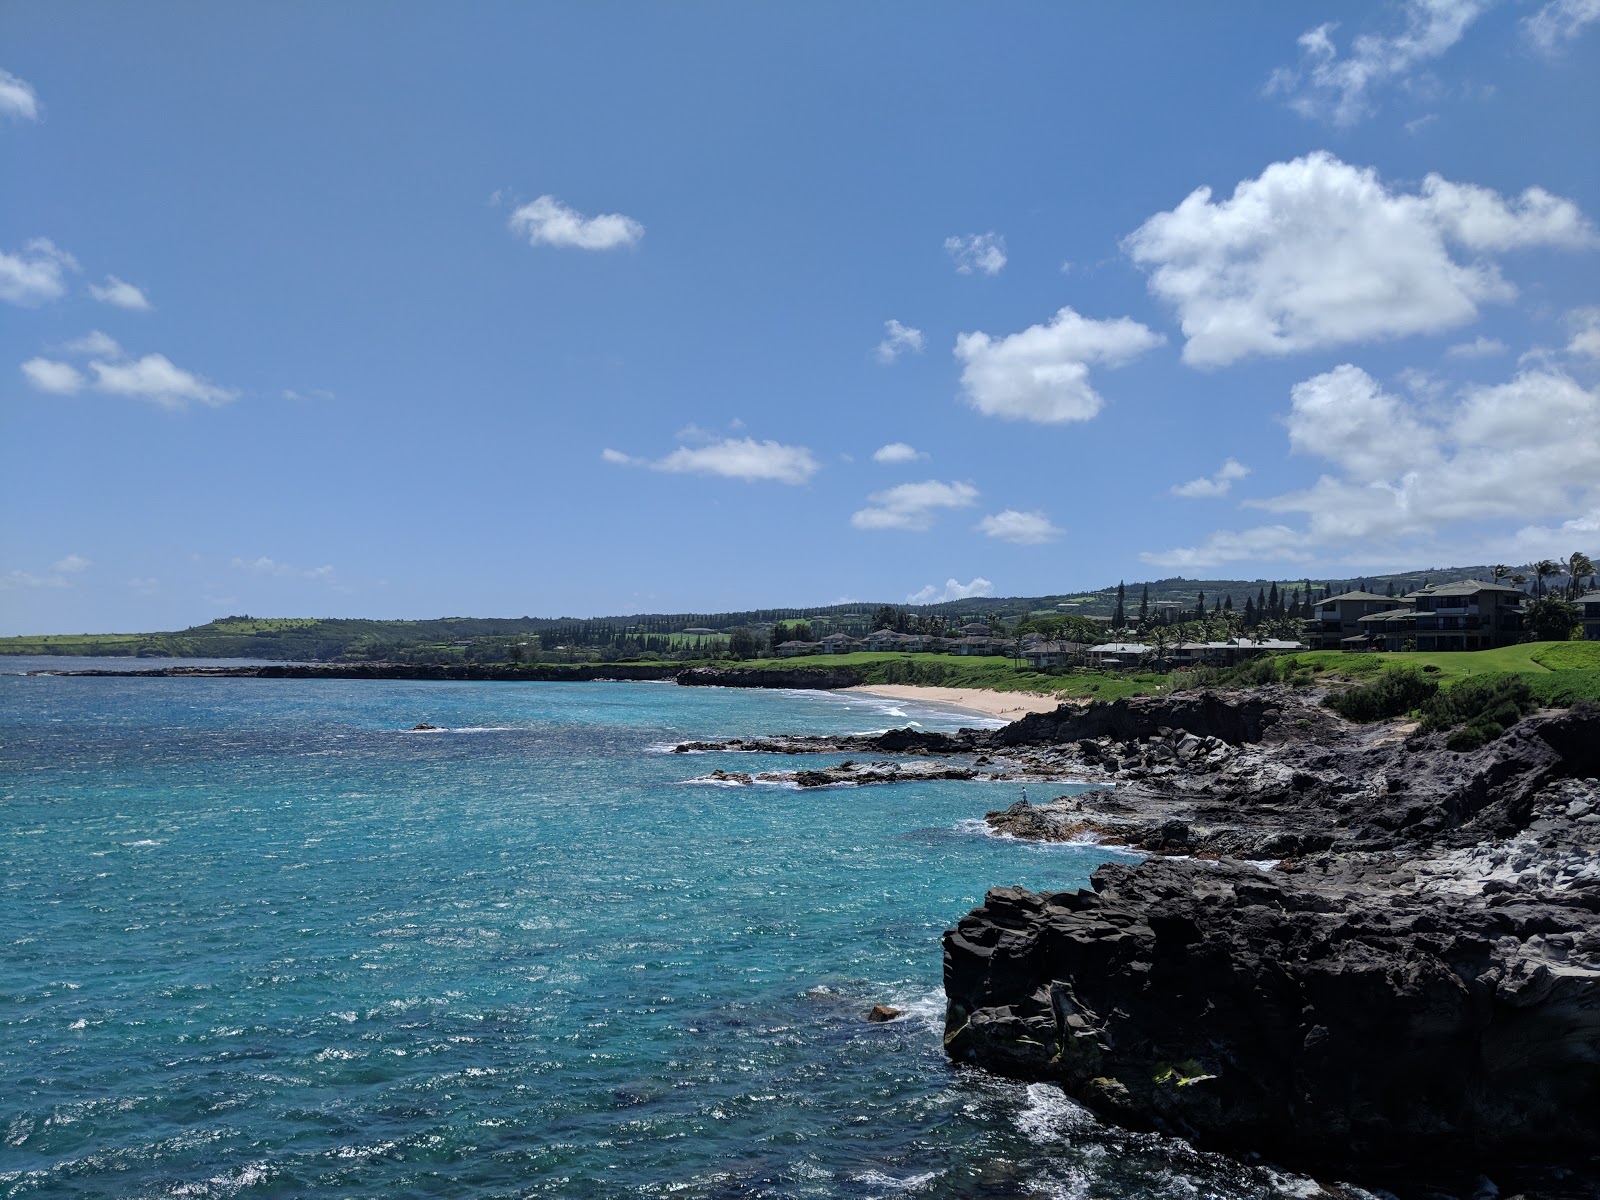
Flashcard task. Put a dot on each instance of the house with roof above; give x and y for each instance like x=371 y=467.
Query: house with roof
x=1337 y=619
x=1041 y=654
x=839 y=643
x=1117 y=654
x=985 y=644
x=1390 y=629
x=1469 y=615
x=974 y=629
x=1589 y=603
x=794 y=649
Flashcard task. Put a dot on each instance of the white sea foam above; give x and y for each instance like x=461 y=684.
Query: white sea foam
x=911 y=1183
x=1050 y=1115
x=143 y=842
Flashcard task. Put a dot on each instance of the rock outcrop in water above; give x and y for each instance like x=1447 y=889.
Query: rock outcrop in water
x=1419 y=988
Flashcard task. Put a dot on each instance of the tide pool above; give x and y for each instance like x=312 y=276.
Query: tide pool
x=260 y=940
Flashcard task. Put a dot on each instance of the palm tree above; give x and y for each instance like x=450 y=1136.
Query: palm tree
x=1578 y=565
x=1544 y=568
x=1499 y=572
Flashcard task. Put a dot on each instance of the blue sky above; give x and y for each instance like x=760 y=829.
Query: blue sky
x=417 y=310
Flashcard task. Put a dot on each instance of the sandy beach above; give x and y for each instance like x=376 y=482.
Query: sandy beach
x=1008 y=705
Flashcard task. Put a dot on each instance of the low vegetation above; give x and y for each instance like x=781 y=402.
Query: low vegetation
x=1391 y=694
x=1478 y=710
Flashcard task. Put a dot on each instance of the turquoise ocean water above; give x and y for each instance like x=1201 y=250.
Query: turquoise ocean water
x=260 y=941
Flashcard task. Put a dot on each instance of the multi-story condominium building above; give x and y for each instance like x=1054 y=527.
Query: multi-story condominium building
x=1470 y=615
x=1337 y=620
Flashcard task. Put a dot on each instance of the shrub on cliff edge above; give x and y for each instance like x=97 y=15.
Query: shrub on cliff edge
x=1392 y=693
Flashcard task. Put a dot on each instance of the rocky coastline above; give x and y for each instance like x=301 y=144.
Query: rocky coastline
x=1352 y=951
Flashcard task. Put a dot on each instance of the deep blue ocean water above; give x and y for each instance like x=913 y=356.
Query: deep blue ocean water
x=259 y=940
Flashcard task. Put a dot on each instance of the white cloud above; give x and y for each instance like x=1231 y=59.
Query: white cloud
x=155 y=378
x=897 y=340
x=1318 y=253
x=546 y=221
x=912 y=505
x=56 y=378
x=731 y=458
x=1042 y=373
x=26 y=579
x=1335 y=88
x=35 y=274
x=94 y=343
x=1267 y=543
x=1209 y=486
x=71 y=564
x=1022 y=528
x=17 y=98
x=1404 y=474
x=283 y=570
x=1559 y=21
x=308 y=396
x=1478 y=347
x=1533 y=542
x=953 y=590
x=897 y=452
x=147 y=586
x=120 y=293
x=1585 y=326
x=982 y=252
x=1344 y=416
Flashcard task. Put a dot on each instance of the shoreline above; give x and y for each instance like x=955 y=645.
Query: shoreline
x=1005 y=705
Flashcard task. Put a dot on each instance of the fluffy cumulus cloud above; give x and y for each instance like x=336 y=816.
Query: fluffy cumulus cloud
x=72 y=564
x=897 y=452
x=1210 y=486
x=1042 y=373
x=548 y=222
x=977 y=253
x=35 y=274
x=51 y=377
x=732 y=458
x=1316 y=252
x=1559 y=22
x=1020 y=528
x=1339 y=87
x=120 y=293
x=953 y=589
x=897 y=340
x=913 y=505
x=1402 y=475
x=17 y=98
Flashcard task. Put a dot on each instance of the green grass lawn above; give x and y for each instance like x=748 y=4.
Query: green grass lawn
x=1531 y=658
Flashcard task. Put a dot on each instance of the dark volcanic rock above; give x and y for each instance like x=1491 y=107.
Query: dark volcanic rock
x=1234 y=717
x=819 y=678
x=1249 y=1013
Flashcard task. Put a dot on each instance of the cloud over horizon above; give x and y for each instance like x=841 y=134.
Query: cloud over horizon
x=911 y=506
x=953 y=590
x=1315 y=253
x=1404 y=473
x=1019 y=528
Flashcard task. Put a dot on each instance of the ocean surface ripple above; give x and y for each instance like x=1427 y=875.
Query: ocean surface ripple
x=262 y=941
